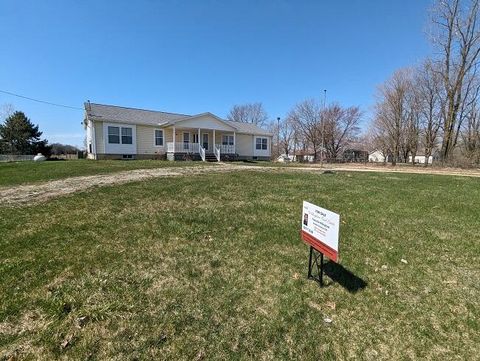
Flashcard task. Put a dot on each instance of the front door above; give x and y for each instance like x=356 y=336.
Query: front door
x=205 y=140
x=186 y=141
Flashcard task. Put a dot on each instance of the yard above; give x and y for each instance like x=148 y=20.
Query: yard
x=211 y=266
x=29 y=172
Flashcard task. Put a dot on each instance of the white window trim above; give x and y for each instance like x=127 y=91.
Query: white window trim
x=229 y=135
x=155 y=138
x=261 y=143
x=114 y=148
x=193 y=138
x=119 y=134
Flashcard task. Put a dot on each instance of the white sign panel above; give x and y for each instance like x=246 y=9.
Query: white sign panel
x=321 y=224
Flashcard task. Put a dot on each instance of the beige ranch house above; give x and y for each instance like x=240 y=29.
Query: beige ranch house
x=115 y=132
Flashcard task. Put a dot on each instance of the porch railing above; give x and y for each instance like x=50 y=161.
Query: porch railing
x=226 y=149
x=179 y=147
x=216 y=151
x=201 y=150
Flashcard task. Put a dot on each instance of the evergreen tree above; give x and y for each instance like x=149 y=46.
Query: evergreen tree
x=20 y=136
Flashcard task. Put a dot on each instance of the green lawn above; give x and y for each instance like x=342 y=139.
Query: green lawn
x=15 y=173
x=212 y=267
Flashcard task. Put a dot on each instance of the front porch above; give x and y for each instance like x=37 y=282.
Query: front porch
x=200 y=144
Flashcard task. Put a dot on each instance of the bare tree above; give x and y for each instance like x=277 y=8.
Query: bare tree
x=249 y=113
x=287 y=135
x=376 y=140
x=306 y=118
x=6 y=110
x=458 y=39
x=471 y=137
x=340 y=127
x=427 y=86
x=412 y=131
x=470 y=133
x=392 y=112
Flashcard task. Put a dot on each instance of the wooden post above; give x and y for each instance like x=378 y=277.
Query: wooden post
x=234 y=143
x=173 y=139
x=214 y=139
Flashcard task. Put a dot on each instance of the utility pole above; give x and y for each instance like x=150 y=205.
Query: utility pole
x=323 y=126
x=278 y=136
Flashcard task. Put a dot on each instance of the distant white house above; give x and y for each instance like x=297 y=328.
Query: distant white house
x=302 y=156
x=115 y=132
x=283 y=158
x=376 y=157
x=421 y=159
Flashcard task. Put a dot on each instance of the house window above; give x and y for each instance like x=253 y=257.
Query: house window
x=227 y=139
x=114 y=135
x=261 y=144
x=127 y=137
x=159 y=138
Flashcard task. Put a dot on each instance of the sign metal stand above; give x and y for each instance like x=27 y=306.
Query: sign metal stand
x=315 y=259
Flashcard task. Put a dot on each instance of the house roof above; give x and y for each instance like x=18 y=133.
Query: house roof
x=114 y=113
x=102 y=112
x=248 y=128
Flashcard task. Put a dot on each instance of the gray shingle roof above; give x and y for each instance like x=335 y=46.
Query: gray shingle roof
x=114 y=113
x=248 y=128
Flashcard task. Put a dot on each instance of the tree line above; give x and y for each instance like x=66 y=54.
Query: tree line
x=433 y=107
x=310 y=126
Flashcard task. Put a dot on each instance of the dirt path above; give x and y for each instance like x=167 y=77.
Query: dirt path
x=33 y=193
x=25 y=194
x=389 y=169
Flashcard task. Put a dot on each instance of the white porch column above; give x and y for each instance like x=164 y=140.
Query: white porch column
x=234 y=143
x=173 y=139
x=214 y=139
x=199 y=140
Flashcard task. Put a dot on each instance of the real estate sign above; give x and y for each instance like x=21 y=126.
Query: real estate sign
x=320 y=229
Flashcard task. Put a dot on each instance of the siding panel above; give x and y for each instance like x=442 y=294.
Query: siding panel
x=244 y=145
x=146 y=141
x=100 y=141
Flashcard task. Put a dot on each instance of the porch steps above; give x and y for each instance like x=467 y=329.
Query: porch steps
x=210 y=157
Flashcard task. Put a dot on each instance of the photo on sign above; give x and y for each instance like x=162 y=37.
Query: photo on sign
x=305 y=219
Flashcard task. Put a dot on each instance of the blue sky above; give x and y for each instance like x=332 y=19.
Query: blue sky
x=196 y=56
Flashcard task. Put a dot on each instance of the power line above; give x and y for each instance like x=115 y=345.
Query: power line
x=40 y=101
